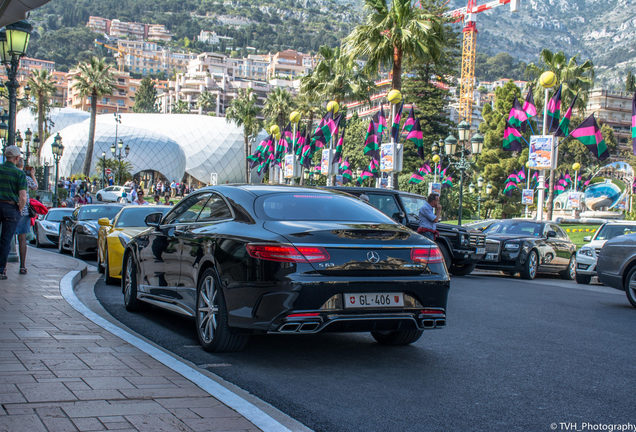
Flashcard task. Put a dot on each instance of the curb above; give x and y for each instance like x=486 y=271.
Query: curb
x=248 y=410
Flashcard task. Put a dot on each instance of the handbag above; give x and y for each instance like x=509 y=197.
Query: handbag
x=32 y=212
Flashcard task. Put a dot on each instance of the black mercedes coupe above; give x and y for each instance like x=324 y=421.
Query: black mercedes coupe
x=245 y=259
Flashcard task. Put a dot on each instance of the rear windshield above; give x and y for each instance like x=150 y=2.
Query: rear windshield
x=96 y=212
x=134 y=217
x=317 y=207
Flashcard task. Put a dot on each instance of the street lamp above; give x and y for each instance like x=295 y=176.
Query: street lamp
x=57 y=149
x=103 y=169
x=14 y=40
x=4 y=128
x=116 y=151
x=480 y=191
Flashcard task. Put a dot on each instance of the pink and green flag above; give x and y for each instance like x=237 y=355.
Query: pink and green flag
x=564 y=126
x=590 y=135
x=634 y=124
x=554 y=111
x=380 y=122
x=371 y=143
x=418 y=176
x=510 y=187
x=517 y=117
x=528 y=106
x=521 y=175
x=345 y=170
x=395 y=126
x=416 y=137
x=512 y=139
x=338 y=154
x=409 y=124
x=257 y=156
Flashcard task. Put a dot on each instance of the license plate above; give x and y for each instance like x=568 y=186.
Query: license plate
x=480 y=250
x=373 y=300
x=491 y=257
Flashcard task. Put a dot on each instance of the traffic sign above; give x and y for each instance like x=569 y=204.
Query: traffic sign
x=108 y=171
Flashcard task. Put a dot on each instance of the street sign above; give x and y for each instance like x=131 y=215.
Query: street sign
x=108 y=171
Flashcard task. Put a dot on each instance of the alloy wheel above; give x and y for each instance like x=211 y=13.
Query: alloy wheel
x=532 y=268
x=207 y=310
x=572 y=268
x=128 y=280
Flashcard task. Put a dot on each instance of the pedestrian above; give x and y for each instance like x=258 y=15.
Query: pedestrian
x=89 y=198
x=157 y=199
x=13 y=198
x=24 y=224
x=166 y=199
x=82 y=199
x=430 y=213
x=140 y=198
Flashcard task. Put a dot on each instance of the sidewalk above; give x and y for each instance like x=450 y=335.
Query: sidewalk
x=61 y=372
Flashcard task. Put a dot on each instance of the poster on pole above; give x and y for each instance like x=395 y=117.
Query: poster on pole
x=288 y=166
x=540 y=156
x=527 y=196
x=324 y=162
x=435 y=188
x=574 y=200
x=387 y=157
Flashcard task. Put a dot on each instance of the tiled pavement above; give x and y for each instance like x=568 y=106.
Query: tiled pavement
x=61 y=372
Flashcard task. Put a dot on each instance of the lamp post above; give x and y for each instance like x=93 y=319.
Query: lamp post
x=116 y=151
x=57 y=149
x=14 y=41
x=4 y=128
x=480 y=190
x=103 y=169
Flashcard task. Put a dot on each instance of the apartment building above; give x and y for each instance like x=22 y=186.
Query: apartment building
x=613 y=109
x=129 y=30
x=149 y=58
x=289 y=64
x=252 y=67
x=122 y=99
x=60 y=80
x=210 y=37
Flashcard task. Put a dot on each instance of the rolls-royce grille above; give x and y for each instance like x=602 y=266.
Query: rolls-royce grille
x=492 y=247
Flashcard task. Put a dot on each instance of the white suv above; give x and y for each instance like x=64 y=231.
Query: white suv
x=113 y=194
x=586 y=256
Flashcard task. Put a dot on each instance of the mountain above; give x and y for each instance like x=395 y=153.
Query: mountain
x=600 y=30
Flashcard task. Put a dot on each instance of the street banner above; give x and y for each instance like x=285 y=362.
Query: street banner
x=574 y=200
x=339 y=181
x=527 y=196
x=324 y=162
x=435 y=188
x=288 y=166
x=387 y=153
x=540 y=157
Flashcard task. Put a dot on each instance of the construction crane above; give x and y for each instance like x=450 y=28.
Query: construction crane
x=469 y=50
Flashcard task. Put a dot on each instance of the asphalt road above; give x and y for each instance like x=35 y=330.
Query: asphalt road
x=515 y=356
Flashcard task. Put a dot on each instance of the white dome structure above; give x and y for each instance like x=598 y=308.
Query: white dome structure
x=172 y=144
x=59 y=118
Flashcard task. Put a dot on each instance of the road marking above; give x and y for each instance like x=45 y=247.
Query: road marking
x=555 y=283
x=248 y=410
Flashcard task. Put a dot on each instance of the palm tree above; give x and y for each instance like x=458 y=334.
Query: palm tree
x=94 y=80
x=278 y=106
x=244 y=112
x=42 y=88
x=206 y=102
x=181 y=107
x=575 y=77
x=392 y=35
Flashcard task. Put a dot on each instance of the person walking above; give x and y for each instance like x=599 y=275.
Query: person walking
x=13 y=198
x=24 y=224
x=429 y=214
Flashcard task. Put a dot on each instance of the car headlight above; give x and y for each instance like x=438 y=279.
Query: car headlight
x=465 y=240
x=86 y=229
x=512 y=246
x=123 y=239
x=48 y=226
x=587 y=252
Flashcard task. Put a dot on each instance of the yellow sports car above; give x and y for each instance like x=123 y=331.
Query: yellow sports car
x=113 y=238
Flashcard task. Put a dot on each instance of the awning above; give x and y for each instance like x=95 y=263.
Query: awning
x=16 y=10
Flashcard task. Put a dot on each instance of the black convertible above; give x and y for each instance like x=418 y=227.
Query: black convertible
x=529 y=247
x=244 y=259
x=78 y=231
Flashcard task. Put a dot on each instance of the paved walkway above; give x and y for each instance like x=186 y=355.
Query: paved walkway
x=61 y=372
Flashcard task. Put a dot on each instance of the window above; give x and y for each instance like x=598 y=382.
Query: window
x=385 y=203
x=188 y=210
x=215 y=209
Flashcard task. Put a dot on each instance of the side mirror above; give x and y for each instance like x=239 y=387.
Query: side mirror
x=153 y=219
x=105 y=222
x=552 y=233
x=587 y=238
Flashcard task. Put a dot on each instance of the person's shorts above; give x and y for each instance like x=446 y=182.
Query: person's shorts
x=24 y=224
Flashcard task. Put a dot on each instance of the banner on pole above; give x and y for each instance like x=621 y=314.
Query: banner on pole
x=540 y=156
x=435 y=188
x=527 y=196
x=574 y=200
x=387 y=157
x=288 y=166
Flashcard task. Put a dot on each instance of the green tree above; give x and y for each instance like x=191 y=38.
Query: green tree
x=575 y=77
x=206 y=102
x=181 y=107
x=42 y=89
x=94 y=80
x=278 y=106
x=630 y=82
x=146 y=97
x=244 y=112
x=395 y=33
x=125 y=167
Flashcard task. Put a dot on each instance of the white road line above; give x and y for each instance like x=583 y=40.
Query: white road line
x=248 y=410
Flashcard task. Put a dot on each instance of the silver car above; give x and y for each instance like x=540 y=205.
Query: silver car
x=587 y=255
x=617 y=265
x=47 y=227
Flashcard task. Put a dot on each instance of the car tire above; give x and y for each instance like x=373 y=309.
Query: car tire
x=570 y=272
x=396 y=338
x=129 y=286
x=99 y=197
x=211 y=318
x=583 y=279
x=37 y=237
x=529 y=270
x=60 y=243
x=630 y=286
x=447 y=257
x=74 y=248
x=100 y=264
x=107 y=278
x=462 y=269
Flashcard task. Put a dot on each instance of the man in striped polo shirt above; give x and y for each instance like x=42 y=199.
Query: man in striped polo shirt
x=13 y=198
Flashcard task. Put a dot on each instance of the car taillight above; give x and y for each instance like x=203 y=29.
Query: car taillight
x=303 y=315
x=287 y=253
x=429 y=255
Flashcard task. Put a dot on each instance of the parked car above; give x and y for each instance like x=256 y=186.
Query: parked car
x=113 y=194
x=617 y=265
x=587 y=255
x=461 y=247
x=244 y=259
x=78 y=231
x=529 y=247
x=47 y=227
x=113 y=237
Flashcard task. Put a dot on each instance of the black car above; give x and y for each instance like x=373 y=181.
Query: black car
x=243 y=259
x=529 y=247
x=616 y=266
x=462 y=247
x=78 y=232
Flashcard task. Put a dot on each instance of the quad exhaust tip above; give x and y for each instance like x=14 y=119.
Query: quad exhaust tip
x=289 y=328
x=431 y=323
